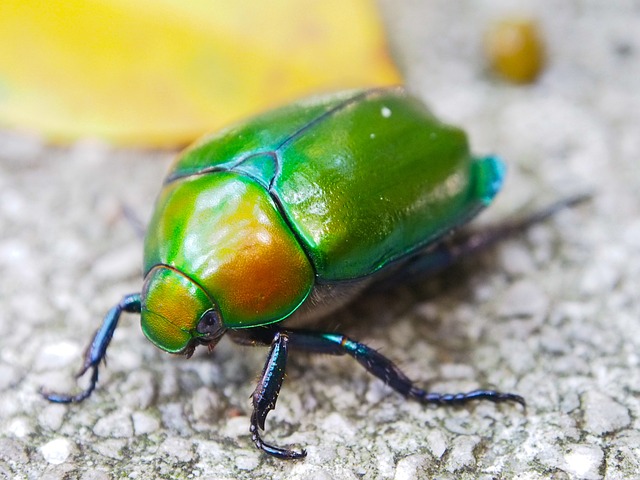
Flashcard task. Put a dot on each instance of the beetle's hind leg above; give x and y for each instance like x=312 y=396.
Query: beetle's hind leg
x=383 y=368
x=97 y=349
x=465 y=244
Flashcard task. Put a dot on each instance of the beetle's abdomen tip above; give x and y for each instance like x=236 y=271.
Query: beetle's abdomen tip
x=489 y=173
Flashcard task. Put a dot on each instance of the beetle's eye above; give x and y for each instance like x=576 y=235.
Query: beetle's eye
x=209 y=323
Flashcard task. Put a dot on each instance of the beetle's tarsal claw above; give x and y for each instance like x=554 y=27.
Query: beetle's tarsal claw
x=188 y=352
x=515 y=398
x=282 y=453
x=66 y=398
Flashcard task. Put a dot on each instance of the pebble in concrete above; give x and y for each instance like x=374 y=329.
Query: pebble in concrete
x=115 y=425
x=584 y=461
x=144 y=423
x=411 y=467
x=437 y=443
x=461 y=454
x=13 y=452
x=178 y=449
x=56 y=451
x=524 y=298
x=602 y=414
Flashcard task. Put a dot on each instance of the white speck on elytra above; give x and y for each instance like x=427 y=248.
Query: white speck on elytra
x=372 y=135
x=386 y=112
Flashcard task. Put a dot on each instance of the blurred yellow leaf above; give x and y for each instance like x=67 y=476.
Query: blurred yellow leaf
x=161 y=72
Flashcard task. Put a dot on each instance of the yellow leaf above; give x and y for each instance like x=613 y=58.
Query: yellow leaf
x=162 y=72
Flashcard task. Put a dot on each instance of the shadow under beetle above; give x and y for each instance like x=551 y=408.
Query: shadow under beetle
x=278 y=221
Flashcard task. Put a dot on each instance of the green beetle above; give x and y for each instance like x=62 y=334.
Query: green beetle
x=283 y=219
x=263 y=221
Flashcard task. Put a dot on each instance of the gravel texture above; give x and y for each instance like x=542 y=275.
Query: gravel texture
x=553 y=315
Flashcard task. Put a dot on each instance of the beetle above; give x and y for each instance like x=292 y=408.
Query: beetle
x=276 y=222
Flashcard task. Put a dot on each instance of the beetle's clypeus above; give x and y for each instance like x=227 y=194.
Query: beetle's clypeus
x=282 y=219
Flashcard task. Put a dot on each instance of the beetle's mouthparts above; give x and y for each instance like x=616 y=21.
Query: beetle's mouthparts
x=209 y=342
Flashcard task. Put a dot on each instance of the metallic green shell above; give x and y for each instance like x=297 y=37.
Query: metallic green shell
x=361 y=179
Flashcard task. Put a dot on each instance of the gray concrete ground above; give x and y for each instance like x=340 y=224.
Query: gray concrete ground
x=553 y=315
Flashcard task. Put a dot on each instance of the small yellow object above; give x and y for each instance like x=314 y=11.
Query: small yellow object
x=515 y=49
x=162 y=72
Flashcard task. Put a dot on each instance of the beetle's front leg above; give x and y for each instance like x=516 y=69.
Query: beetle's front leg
x=266 y=394
x=97 y=349
x=387 y=371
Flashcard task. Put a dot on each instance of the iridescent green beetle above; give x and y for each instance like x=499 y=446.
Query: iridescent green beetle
x=282 y=219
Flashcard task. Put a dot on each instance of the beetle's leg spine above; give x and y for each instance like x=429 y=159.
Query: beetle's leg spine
x=266 y=394
x=282 y=453
x=97 y=349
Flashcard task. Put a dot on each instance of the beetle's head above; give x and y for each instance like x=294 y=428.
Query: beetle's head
x=177 y=315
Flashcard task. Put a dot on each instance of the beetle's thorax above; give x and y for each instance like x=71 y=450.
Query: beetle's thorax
x=223 y=230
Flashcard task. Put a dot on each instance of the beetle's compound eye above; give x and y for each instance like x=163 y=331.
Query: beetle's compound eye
x=210 y=323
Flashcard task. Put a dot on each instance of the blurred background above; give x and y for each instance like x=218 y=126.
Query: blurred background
x=159 y=73
x=96 y=98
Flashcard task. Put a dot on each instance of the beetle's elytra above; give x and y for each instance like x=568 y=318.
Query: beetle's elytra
x=288 y=216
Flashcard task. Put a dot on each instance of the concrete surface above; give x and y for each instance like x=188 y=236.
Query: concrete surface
x=553 y=315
